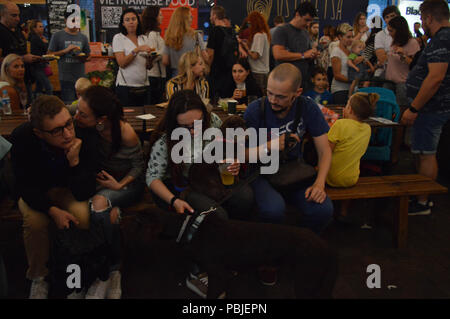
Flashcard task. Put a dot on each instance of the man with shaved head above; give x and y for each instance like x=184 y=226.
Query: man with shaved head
x=283 y=98
x=279 y=111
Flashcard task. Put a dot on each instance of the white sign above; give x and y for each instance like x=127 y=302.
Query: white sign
x=410 y=11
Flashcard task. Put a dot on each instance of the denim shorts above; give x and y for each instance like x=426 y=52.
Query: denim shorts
x=426 y=131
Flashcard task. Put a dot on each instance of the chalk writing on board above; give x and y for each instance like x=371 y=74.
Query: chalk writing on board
x=56 y=10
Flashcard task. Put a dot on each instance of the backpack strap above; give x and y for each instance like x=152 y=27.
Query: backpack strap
x=298 y=111
x=298 y=115
x=262 y=110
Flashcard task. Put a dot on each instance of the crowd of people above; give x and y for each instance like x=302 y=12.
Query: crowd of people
x=87 y=167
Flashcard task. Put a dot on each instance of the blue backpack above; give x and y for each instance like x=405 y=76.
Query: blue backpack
x=381 y=139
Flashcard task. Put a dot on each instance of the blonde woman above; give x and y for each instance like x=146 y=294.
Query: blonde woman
x=12 y=80
x=192 y=70
x=360 y=29
x=181 y=38
x=339 y=57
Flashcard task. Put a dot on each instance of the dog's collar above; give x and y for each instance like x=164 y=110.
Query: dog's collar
x=191 y=225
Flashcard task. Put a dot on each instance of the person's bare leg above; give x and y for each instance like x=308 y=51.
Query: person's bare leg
x=427 y=167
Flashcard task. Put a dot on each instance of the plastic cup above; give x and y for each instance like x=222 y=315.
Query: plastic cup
x=225 y=175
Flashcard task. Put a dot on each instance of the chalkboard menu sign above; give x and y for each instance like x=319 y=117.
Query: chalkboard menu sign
x=56 y=9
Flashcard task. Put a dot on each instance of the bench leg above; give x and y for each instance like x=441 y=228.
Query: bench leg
x=401 y=222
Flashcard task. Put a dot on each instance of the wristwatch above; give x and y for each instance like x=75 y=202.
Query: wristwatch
x=172 y=201
x=303 y=56
x=413 y=109
x=133 y=53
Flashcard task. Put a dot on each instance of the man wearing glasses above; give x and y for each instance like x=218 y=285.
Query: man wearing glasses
x=283 y=97
x=280 y=109
x=55 y=173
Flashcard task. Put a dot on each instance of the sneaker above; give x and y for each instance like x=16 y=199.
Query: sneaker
x=115 y=289
x=77 y=295
x=98 y=289
x=416 y=209
x=198 y=284
x=267 y=275
x=39 y=289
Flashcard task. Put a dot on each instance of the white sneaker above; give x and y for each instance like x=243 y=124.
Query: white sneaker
x=115 y=289
x=39 y=289
x=98 y=289
x=77 y=295
x=198 y=284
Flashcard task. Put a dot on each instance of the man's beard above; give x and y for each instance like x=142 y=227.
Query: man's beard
x=281 y=110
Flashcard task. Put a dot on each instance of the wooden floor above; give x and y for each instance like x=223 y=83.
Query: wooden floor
x=419 y=271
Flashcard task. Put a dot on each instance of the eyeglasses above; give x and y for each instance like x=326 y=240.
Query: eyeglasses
x=58 y=131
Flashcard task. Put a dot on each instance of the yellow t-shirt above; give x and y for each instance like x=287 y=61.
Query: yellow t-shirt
x=351 y=138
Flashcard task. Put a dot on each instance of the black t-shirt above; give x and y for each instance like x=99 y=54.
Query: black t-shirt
x=37 y=46
x=215 y=41
x=12 y=42
x=250 y=86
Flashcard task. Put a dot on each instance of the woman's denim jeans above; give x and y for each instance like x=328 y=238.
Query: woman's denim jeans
x=111 y=232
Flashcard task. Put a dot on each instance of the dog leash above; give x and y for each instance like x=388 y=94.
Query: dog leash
x=193 y=221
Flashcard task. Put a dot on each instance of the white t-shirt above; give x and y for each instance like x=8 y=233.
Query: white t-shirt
x=382 y=41
x=155 y=41
x=364 y=37
x=336 y=85
x=135 y=73
x=260 y=45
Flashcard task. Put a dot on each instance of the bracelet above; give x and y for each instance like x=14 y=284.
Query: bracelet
x=413 y=109
x=133 y=53
x=172 y=201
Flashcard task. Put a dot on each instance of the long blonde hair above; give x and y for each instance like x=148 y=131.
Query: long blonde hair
x=7 y=61
x=185 y=75
x=178 y=27
x=356 y=26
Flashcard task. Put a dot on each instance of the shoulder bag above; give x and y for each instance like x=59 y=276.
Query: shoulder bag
x=294 y=173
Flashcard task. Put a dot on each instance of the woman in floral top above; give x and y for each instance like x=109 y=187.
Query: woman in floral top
x=167 y=179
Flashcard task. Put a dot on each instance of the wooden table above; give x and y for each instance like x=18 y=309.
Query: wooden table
x=147 y=126
x=339 y=110
x=9 y=122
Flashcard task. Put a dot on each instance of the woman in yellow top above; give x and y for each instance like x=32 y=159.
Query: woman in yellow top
x=349 y=138
x=191 y=76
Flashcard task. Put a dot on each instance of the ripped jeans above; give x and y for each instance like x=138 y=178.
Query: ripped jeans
x=111 y=231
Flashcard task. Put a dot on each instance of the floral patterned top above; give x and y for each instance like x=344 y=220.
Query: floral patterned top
x=159 y=157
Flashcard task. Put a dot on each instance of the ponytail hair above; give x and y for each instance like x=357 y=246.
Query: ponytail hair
x=364 y=104
x=103 y=102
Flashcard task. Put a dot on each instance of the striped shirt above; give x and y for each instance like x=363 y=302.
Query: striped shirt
x=201 y=87
x=437 y=51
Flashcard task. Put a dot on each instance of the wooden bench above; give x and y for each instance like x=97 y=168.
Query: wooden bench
x=400 y=187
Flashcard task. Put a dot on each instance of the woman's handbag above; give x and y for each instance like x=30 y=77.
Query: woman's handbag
x=48 y=70
x=137 y=91
x=293 y=173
